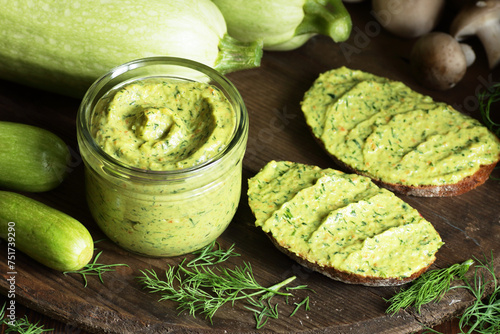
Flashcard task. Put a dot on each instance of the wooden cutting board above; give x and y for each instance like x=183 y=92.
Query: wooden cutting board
x=469 y=224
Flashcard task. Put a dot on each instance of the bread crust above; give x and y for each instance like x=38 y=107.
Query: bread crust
x=446 y=190
x=349 y=278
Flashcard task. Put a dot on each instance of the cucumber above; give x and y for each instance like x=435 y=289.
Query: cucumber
x=32 y=159
x=64 y=46
x=47 y=235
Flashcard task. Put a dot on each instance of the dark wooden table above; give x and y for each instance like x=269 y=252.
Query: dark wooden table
x=448 y=327
x=469 y=224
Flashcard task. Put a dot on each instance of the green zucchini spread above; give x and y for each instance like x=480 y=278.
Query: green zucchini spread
x=160 y=124
x=165 y=126
x=387 y=131
x=343 y=221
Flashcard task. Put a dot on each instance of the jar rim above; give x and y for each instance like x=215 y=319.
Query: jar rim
x=99 y=88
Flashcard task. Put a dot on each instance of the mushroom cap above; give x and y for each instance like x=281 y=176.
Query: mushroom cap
x=475 y=16
x=408 y=18
x=481 y=18
x=437 y=61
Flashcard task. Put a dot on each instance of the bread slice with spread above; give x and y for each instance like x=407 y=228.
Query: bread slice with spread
x=341 y=225
x=402 y=140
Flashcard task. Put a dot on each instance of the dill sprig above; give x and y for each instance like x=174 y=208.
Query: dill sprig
x=486 y=99
x=20 y=325
x=304 y=302
x=430 y=286
x=201 y=288
x=94 y=269
x=211 y=255
x=483 y=316
x=262 y=310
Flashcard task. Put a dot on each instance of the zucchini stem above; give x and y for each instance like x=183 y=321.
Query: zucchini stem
x=326 y=17
x=236 y=55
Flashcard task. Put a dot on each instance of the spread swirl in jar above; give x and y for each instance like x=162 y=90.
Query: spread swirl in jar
x=158 y=124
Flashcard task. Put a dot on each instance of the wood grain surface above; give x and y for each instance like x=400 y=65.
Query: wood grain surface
x=469 y=224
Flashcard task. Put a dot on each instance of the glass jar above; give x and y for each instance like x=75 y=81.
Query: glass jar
x=162 y=213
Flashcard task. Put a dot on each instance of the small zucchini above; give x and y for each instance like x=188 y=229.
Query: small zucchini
x=47 y=235
x=31 y=158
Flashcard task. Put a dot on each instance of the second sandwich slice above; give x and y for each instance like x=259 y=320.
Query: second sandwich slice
x=403 y=140
x=342 y=225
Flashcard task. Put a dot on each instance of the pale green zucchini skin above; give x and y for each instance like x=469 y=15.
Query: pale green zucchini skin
x=285 y=25
x=32 y=159
x=47 y=235
x=64 y=46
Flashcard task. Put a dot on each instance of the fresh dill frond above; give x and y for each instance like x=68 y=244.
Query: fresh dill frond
x=262 y=310
x=94 y=269
x=21 y=325
x=486 y=99
x=483 y=316
x=212 y=255
x=204 y=290
x=430 y=286
x=304 y=302
x=200 y=287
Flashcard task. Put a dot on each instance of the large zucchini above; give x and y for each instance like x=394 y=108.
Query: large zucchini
x=31 y=158
x=65 y=45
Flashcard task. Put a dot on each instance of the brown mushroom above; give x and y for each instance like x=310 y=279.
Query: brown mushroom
x=481 y=18
x=408 y=18
x=438 y=61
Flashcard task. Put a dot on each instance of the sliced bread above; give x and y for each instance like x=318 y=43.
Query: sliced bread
x=341 y=225
x=402 y=140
